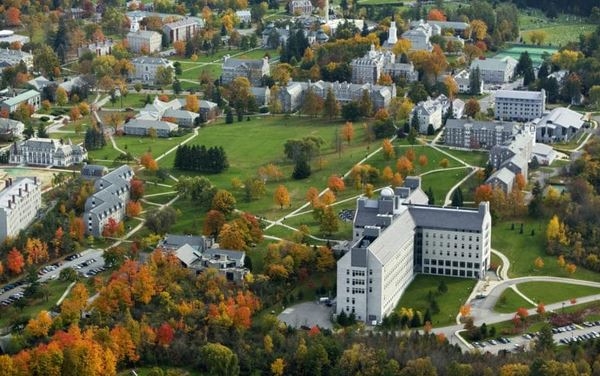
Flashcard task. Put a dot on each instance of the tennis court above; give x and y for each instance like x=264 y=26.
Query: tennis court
x=536 y=53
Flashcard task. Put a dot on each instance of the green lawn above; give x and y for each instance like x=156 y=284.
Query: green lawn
x=523 y=249
x=553 y=292
x=560 y=35
x=441 y=182
x=449 y=303
x=510 y=301
x=472 y=157
x=132 y=99
x=11 y=314
x=137 y=146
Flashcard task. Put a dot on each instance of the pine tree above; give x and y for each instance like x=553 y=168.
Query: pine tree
x=430 y=196
x=475 y=82
x=301 y=169
x=457 y=199
x=330 y=106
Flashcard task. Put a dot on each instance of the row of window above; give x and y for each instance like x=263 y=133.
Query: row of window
x=462 y=254
x=356 y=290
x=452 y=272
x=462 y=245
x=455 y=264
x=448 y=236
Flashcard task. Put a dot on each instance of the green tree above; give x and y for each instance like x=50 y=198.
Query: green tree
x=164 y=76
x=457 y=198
x=331 y=108
x=219 y=360
x=329 y=221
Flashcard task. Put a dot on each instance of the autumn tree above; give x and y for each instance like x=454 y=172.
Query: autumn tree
x=213 y=222
x=556 y=235
x=436 y=15
x=192 y=103
x=149 y=162
x=224 y=202
x=423 y=160
x=465 y=310
x=40 y=325
x=133 y=209
x=388 y=149
x=336 y=184
x=136 y=189
x=329 y=221
x=472 y=107
x=15 y=261
x=570 y=268
x=348 y=132
x=478 y=29
x=538 y=263
x=483 y=193
x=36 y=251
x=404 y=166
x=281 y=196
x=312 y=195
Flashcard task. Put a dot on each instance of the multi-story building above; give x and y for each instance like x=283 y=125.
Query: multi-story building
x=47 y=152
x=172 y=111
x=145 y=67
x=398 y=236
x=142 y=127
x=253 y=70
x=10 y=58
x=300 y=7
x=180 y=30
x=291 y=95
x=560 y=124
x=30 y=97
x=111 y=194
x=369 y=68
x=432 y=112
x=495 y=71
x=519 y=105
x=463 y=80
x=143 y=41
x=97 y=48
x=20 y=201
x=512 y=159
x=10 y=129
x=456 y=26
x=419 y=34
x=471 y=134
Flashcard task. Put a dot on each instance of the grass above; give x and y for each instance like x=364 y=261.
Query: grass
x=449 y=303
x=523 y=249
x=560 y=35
x=11 y=314
x=472 y=157
x=554 y=292
x=132 y=99
x=510 y=301
x=145 y=371
x=137 y=146
x=441 y=182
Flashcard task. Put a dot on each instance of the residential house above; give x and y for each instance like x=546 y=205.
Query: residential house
x=10 y=129
x=253 y=69
x=47 y=152
x=181 y=30
x=495 y=71
x=398 y=236
x=208 y=110
x=300 y=7
x=558 y=125
x=519 y=105
x=97 y=48
x=369 y=68
x=11 y=58
x=262 y=95
x=30 y=97
x=244 y=16
x=145 y=67
x=20 y=201
x=143 y=41
x=109 y=200
x=463 y=80
x=512 y=159
x=473 y=134
x=141 y=127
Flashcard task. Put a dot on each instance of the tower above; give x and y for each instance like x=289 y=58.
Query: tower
x=135 y=26
x=392 y=34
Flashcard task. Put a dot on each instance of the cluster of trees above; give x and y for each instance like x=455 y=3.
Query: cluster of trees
x=198 y=158
x=94 y=138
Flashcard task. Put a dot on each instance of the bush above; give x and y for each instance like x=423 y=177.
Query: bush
x=44 y=119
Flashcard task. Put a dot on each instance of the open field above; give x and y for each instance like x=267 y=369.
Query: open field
x=523 y=249
x=449 y=303
x=560 y=35
x=553 y=292
x=510 y=302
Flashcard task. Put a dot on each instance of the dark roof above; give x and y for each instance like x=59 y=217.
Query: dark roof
x=173 y=241
x=447 y=218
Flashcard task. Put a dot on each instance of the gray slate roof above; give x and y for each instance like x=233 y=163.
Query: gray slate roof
x=446 y=218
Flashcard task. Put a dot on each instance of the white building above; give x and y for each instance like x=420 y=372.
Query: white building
x=419 y=34
x=10 y=58
x=10 y=129
x=173 y=111
x=463 y=80
x=495 y=71
x=244 y=16
x=512 y=159
x=97 y=48
x=47 y=152
x=369 y=68
x=560 y=124
x=30 y=97
x=141 y=127
x=300 y=7
x=519 y=105
x=145 y=67
x=252 y=69
x=109 y=200
x=180 y=30
x=397 y=236
x=432 y=112
x=472 y=134
x=20 y=201
x=9 y=36
x=143 y=40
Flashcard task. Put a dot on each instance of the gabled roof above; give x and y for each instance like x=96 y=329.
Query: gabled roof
x=187 y=255
x=25 y=96
x=174 y=241
x=231 y=254
x=493 y=64
x=446 y=218
x=563 y=117
x=504 y=175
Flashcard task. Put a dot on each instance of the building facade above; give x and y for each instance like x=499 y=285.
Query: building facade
x=141 y=127
x=180 y=30
x=20 y=201
x=10 y=58
x=143 y=41
x=145 y=67
x=253 y=70
x=560 y=124
x=97 y=48
x=47 y=152
x=30 y=97
x=495 y=71
x=111 y=194
x=398 y=236
x=471 y=134
x=369 y=68
x=519 y=105
x=300 y=7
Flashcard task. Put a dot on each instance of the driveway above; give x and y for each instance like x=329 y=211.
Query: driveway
x=307 y=314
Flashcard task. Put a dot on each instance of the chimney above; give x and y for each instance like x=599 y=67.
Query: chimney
x=20 y=192
x=26 y=187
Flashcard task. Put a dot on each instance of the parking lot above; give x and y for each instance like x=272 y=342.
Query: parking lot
x=306 y=315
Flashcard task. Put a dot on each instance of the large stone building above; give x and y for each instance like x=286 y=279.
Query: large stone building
x=180 y=30
x=398 y=236
x=512 y=159
x=473 y=134
x=47 y=152
x=143 y=41
x=519 y=105
x=419 y=34
x=432 y=111
x=253 y=70
x=560 y=124
x=10 y=58
x=20 y=201
x=291 y=96
x=369 y=68
x=145 y=67
x=300 y=7
x=30 y=97
x=111 y=194
x=495 y=71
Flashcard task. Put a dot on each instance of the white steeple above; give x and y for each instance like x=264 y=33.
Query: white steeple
x=135 y=25
x=392 y=34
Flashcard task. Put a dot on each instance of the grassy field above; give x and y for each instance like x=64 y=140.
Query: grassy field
x=523 y=249
x=132 y=99
x=449 y=303
x=472 y=157
x=510 y=301
x=553 y=292
x=441 y=182
x=560 y=35
x=137 y=146
x=10 y=314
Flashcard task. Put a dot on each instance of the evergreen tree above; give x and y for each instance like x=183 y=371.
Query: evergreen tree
x=228 y=116
x=475 y=82
x=330 y=106
x=301 y=169
x=430 y=196
x=61 y=40
x=544 y=71
x=415 y=322
x=457 y=199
